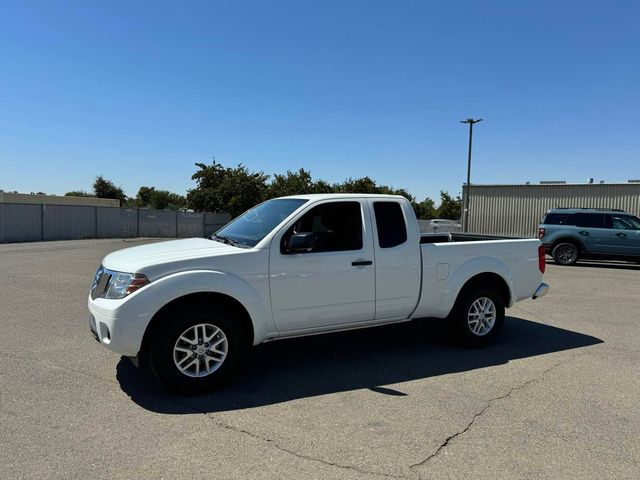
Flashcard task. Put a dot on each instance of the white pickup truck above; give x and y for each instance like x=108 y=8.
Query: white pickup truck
x=308 y=264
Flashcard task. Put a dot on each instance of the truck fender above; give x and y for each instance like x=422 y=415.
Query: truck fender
x=180 y=284
x=470 y=269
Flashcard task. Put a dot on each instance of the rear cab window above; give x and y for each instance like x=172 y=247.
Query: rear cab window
x=390 y=224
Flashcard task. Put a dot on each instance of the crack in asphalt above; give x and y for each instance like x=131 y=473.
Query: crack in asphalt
x=538 y=378
x=271 y=441
x=300 y=455
x=212 y=419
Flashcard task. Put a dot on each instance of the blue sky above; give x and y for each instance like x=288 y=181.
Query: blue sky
x=140 y=91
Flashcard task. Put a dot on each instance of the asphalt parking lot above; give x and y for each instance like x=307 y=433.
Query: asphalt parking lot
x=556 y=397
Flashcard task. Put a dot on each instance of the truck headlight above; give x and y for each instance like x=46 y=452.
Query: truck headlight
x=123 y=284
x=115 y=285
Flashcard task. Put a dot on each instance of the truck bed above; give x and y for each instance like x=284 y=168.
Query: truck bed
x=449 y=259
x=460 y=237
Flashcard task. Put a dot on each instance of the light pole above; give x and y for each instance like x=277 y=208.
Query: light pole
x=465 y=222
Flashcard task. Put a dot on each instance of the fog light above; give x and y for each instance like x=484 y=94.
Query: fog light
x=106 y=334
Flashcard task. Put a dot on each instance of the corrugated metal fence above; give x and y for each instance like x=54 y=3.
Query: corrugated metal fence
x=32 y=223
x=516 y=210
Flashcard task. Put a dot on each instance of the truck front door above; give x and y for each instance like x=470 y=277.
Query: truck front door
x=333 y=281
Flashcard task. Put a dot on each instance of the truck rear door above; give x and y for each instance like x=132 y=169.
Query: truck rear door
x=397 y=258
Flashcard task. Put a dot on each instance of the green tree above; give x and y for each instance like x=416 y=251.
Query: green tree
x=103 y=188
x=163 y=199
x=396 y=191
x=426 y=209
x=235 y=190
x=357 y=185
x=78 y=193
x=232 y=190
x=143 y=198
x=321 y=186
x=368 y=185
x=296 y=183
x=450 y=207
x=159 y=199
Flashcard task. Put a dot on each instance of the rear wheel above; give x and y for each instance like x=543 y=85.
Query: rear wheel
x=195 y=350
x=478 y=316
x=565 y=253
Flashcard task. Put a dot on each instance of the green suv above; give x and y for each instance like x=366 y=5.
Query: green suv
x=570 y=234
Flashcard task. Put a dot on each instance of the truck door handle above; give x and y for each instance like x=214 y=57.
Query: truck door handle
x=360 y=263
x=583 y=233
x=621 y=235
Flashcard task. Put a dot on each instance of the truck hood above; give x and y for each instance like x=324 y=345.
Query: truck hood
x=135 y=259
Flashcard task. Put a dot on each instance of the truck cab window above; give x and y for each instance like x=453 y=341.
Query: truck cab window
x=392 y=230
x=336 y=226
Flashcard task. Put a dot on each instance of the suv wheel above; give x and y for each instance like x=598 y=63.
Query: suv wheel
x=196 y=350
x=565 y=253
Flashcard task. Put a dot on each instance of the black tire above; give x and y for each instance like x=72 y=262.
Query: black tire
x=176 y=322
x=565 y=253
x=460 y=315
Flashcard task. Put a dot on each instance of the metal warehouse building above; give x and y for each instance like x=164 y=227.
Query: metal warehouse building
x=516 y=210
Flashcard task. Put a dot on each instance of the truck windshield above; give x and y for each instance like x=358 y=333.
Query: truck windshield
x=253 y=225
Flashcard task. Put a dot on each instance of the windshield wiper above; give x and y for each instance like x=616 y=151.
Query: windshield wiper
x=227 y=240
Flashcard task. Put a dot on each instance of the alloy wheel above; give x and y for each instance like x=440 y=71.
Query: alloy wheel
x=481 y=316
x=200 y=350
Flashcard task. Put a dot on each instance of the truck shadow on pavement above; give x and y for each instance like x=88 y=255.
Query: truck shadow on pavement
x=371 y=358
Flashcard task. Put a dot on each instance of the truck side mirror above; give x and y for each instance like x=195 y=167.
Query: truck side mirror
x=301 y=242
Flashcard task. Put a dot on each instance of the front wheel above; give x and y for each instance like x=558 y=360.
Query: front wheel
x=196 y=350
x=478 y=316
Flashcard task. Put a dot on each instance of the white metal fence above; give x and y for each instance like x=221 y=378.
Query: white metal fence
x=33 y=223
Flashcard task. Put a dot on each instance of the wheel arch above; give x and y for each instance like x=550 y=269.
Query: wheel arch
x=202 y=300
x=486 y=279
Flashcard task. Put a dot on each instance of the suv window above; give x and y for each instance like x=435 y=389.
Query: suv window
x=337 y=225
x=590 y=220
x=390 y=224
x=559 y=219
x=623 y=222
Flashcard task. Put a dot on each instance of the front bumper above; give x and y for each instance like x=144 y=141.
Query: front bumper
x=541 y=291
x=119 y=325
x=93 y=327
